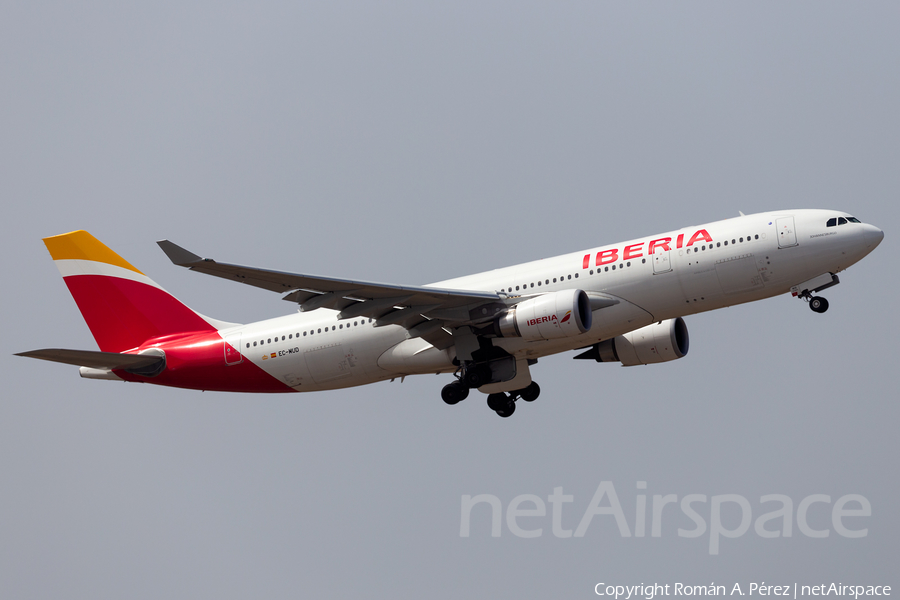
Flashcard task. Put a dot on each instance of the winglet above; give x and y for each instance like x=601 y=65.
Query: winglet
x=179 y=255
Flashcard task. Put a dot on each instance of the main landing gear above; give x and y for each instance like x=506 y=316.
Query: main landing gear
x=472 y=376
x=503 y=403
x=454 y=393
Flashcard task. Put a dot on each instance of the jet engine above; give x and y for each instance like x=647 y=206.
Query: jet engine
x=549 y=316
x=656 y=343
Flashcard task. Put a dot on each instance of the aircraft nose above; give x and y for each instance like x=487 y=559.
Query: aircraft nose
x=873 y=235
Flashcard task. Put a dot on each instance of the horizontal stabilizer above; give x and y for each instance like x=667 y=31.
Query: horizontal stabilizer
x=99 y=360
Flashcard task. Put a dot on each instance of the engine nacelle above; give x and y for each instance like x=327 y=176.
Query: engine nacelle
x=550 y=316
x=656 y=343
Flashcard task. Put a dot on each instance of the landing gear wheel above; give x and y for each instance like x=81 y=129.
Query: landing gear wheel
x=818 y=304
x=530 y=393
x=501 y=404
x=454 y=392
x=476 y=376
x=508 y=411
x=498 y=402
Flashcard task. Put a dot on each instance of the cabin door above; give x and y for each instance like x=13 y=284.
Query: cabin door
x=661 y=261
x=787 y=235
x=233 y=354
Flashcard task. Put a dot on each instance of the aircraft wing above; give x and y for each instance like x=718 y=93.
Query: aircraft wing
x=425 y=311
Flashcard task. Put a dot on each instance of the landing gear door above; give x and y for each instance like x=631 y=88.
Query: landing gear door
x=787 y=235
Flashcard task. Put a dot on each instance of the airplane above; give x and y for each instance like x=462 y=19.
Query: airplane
x=623 y=303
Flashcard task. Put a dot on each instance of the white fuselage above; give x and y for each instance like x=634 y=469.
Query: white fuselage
x=660 y=277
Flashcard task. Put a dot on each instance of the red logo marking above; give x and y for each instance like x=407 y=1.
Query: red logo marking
x=611 y=255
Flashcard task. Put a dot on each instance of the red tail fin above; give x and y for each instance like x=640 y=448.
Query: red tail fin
x=122 y=307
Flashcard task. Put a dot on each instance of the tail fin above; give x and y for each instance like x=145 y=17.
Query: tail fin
x=122 y=307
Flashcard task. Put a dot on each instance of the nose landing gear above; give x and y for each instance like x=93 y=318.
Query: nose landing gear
x=806 y=289
x=818 y=304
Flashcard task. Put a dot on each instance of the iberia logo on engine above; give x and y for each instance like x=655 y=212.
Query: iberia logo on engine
x=551 y=319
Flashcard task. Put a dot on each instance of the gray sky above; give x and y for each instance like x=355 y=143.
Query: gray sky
x=408 y=143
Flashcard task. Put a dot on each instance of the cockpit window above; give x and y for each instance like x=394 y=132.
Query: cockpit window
x=831 y=222
x=853 y=219
x=842 y=221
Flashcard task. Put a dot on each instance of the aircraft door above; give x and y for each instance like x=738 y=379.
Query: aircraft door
x=232 y=345
x=787 y=235
x=661 y=261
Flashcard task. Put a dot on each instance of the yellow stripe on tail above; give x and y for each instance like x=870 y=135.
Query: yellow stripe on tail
x=81 y=245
